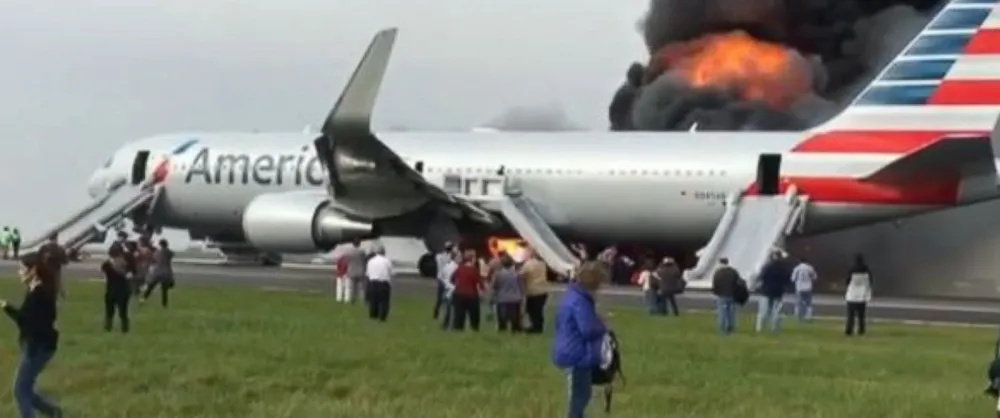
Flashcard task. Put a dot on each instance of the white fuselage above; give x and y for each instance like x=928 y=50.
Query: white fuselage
x=661 y=187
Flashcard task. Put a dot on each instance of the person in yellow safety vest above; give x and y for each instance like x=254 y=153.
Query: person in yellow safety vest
x=5 y=242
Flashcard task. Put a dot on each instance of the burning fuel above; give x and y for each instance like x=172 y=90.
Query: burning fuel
x=759 y=64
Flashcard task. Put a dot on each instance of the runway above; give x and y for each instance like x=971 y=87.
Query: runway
x=317 y=278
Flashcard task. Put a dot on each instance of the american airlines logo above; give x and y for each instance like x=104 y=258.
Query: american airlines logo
x=261 y=169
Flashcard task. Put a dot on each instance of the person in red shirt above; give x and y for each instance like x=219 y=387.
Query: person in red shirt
x=342 y=283
x=468 y=286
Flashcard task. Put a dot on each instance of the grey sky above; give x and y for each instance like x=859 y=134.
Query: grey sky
x=80 y=78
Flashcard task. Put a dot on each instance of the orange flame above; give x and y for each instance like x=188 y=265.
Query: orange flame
x=739 y=63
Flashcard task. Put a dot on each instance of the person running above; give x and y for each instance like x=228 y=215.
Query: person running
x=38 y=338
x=161 y=273
x=116 y=289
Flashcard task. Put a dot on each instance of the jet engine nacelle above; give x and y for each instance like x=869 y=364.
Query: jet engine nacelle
x=298 y=222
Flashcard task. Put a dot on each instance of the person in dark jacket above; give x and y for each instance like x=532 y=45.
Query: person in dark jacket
x=161 y=273
x=775 y=278
x=672 y=284
x=117 y=291
x=579 y=334
x=38 y=338
x=725 y=280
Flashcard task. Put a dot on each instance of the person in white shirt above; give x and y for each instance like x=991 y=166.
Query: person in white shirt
x=440 y=259
x=447 y=284
x=379 y=270
x=803 y=276
x=857 y=296
x=651 y=287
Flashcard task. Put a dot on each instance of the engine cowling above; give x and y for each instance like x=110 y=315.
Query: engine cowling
x=298 y=222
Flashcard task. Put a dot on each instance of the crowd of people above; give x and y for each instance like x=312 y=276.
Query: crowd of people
x=130 y=266
x=512 y=290
x=777 y=276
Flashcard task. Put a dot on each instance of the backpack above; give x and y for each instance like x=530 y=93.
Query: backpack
x=740 y=293
x=611 y=366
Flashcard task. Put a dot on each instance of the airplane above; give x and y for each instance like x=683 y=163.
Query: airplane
x=921 y=137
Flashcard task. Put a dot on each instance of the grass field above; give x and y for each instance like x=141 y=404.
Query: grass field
x=234 y=352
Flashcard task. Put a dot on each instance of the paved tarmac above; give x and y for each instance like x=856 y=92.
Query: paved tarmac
x=317 y=278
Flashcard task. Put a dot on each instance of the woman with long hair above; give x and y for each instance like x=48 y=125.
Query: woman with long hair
x=38 y=338
x=161 y=273
x=116 y=288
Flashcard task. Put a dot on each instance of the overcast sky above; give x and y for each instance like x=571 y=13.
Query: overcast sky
x=79 y=78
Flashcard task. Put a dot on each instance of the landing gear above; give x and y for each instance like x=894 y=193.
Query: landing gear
x=427 y=266
x=249 y=256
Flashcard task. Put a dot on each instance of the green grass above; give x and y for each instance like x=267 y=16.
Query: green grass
x=237 y=352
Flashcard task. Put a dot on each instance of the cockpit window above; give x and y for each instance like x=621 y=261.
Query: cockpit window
x=107 y=164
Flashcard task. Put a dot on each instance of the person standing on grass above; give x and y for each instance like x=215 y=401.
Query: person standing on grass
x=380 y=272
x=672 y=284
x=803 y=276
x=341 y=286
x=579 y=335
x=15 y=242
x=446 y=281
x=116 y=289
x=508 y=291
x=725 y=282
x=38 y=338
x=440 y=260
x=143 y=262
x=857 y=296
x=651 y=289
x=161 y=273
x=536 y=280
x=468 y=287
x=774 y=279
x=357 y=260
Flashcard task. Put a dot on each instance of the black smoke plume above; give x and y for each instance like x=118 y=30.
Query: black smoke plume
x=843 y=42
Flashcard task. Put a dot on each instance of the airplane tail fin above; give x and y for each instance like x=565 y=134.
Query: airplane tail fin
x=947 y=79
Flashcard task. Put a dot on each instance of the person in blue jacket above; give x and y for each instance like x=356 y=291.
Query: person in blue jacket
x=579 y=333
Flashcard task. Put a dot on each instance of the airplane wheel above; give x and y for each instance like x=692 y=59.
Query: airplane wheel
x=270 y=260
x=427 y=266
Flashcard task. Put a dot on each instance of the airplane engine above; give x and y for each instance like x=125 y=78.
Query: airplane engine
x=298 y=223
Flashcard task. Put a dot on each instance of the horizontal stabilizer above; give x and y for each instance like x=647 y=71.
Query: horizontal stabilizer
x=951 y=155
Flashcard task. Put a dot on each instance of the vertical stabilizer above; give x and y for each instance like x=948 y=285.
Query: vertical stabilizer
x=946 y=79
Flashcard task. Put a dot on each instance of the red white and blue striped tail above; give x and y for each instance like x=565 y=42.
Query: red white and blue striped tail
x=947 y=79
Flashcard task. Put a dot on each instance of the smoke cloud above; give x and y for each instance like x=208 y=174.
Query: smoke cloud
x=550 y=117
x=837 y=44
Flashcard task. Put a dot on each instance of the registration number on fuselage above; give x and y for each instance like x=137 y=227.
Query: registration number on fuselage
x=708 y=195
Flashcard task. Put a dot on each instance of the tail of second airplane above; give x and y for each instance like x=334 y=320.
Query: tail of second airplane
x=947 y=79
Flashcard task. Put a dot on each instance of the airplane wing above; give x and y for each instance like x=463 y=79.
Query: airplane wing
x=366 y=177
